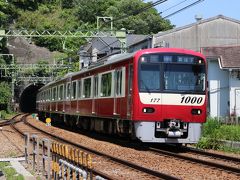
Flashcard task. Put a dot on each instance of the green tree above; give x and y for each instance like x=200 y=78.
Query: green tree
x=5 y=97
x=7 y=13
x=25 y=4
x=130 y=15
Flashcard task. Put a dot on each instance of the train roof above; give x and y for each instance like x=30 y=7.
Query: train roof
x=121 y=57
x=102 y=62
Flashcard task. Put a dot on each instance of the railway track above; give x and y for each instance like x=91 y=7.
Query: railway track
x=11 y=121
x=212 y=155
x=143 y=172
x=210 y=162
x=194 y=155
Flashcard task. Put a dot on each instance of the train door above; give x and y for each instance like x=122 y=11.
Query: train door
x=119 y=90
x=129 y=93
x=95 y=94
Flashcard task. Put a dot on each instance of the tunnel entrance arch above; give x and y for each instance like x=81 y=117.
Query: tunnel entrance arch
x=27 y=101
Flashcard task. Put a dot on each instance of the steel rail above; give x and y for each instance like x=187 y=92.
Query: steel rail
x=213 y=155
x=8 y=122
x=208 y=163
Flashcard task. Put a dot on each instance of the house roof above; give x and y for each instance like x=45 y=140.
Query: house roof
x=198 y=22
x=229 y=55
x=115 y=43
x=135 y=39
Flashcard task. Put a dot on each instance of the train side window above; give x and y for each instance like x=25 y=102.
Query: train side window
x=79 y=89
x=74 y=90
x=120 y=82
x=95 y=90
x=44 y=96
x=53 y=94
x=106 y=85
x=68 y=91
x=48 y=95
x=60 y=95
x=87 y=86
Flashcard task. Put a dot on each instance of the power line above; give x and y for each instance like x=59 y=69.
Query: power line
x=140 y=10
x=186 y=7
x=172 y=6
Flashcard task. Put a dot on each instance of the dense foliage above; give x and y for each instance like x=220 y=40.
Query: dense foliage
x=214 y=132
x=5 y=97
x=65 y=15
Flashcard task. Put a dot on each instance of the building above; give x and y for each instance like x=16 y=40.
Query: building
x=224 y=77
x=100 y=47
x=218 y=38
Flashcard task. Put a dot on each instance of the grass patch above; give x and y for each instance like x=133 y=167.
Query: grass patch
x=10 y=173
x=6 y=114
x=214 y=131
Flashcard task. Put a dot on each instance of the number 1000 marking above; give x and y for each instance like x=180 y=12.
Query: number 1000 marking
x=192 y=100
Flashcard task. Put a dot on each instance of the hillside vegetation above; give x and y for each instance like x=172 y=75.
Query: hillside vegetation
x=79 y=15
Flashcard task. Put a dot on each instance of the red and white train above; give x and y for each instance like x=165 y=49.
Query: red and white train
x=156 y=95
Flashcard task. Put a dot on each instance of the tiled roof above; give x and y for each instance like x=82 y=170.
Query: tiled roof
x=229 y=55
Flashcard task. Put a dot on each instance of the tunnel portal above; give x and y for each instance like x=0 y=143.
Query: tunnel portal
x=27 y=101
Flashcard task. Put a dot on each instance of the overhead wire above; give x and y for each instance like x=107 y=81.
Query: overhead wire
x=186 y=7
x=172 y=6
x=140 y=10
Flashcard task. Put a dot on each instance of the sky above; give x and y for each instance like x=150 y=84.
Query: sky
x=206 y=9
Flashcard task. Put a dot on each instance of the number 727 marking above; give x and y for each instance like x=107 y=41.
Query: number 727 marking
x=155 y=100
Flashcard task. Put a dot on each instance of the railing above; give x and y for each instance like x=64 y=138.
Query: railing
x=58 y=160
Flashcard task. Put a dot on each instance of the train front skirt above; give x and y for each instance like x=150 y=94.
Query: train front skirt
x=147 y=132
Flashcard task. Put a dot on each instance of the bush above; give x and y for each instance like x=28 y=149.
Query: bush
x=207 y=143
x=3 y=114
x=229 y=132
x=209 y=127
x=213 y=132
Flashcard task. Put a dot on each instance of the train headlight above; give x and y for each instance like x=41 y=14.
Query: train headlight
x=148 y=110
x=196 y=111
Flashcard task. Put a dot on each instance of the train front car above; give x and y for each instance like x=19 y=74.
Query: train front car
x=169 y=95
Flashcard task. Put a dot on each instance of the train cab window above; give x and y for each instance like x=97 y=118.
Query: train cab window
x=74 y=90
x=184 y=77
x=68 y=91
x=79 y=89
x=61 y=92
x=149 y=79
x=87 y=84
x=106 y=85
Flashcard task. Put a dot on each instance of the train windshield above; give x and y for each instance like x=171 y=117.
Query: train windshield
x=171 y=73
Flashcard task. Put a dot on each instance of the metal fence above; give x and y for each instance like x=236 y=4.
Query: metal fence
x=56 y=160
